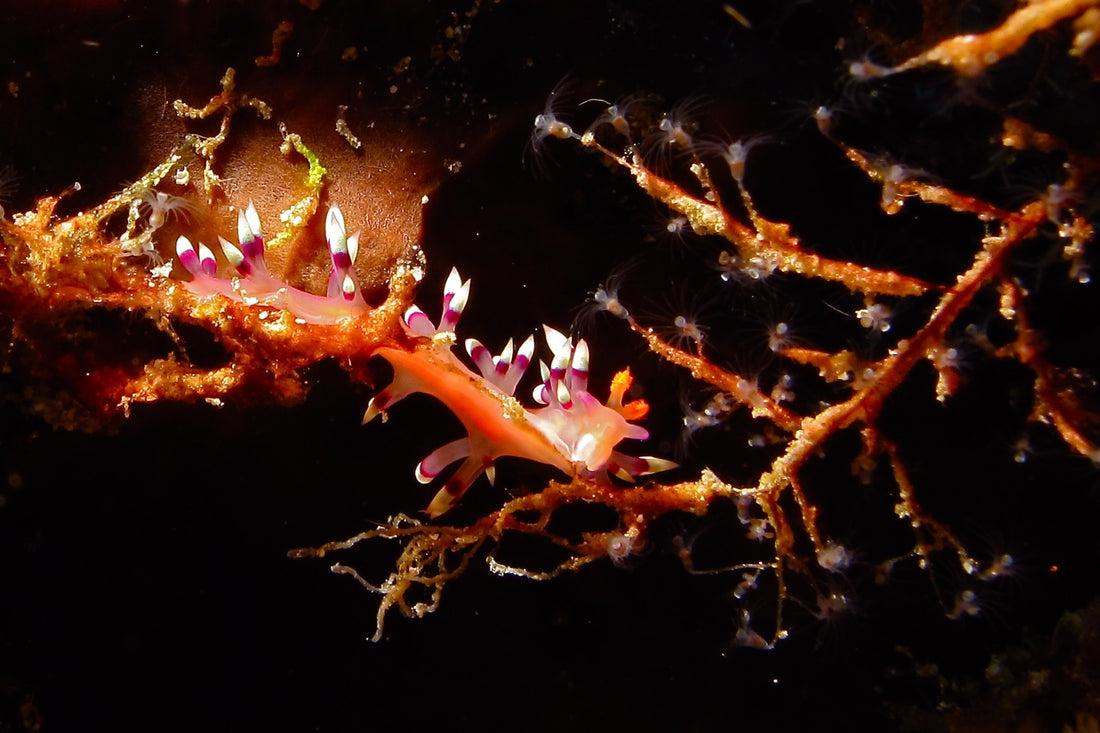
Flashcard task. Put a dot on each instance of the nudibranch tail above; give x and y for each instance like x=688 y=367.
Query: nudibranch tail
x=572 y=430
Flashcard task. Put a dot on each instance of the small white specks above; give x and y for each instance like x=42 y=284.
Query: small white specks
x=424 y=199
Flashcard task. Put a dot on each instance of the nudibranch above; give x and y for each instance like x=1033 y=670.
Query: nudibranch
x=255 y=284
x=572 y=430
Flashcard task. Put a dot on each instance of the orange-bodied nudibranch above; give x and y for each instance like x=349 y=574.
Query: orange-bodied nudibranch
x=572 y=431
